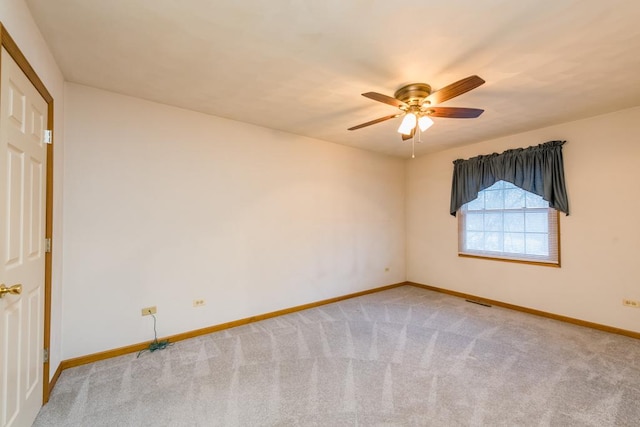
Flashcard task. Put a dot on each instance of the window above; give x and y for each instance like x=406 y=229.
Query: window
x=507 y=222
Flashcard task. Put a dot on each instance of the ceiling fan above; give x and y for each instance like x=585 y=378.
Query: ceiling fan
x=416 y=103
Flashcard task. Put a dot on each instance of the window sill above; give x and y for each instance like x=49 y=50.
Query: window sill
x=517 y=261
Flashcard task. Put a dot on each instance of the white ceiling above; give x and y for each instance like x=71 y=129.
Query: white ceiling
x=300 y=66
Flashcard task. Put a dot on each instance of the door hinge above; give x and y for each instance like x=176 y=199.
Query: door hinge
x=48 y=136
x=47 y=245
x=45 y=355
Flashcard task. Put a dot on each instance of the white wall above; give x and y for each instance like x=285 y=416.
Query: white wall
x=164 y=206
x=600 y=240
x=17 y=19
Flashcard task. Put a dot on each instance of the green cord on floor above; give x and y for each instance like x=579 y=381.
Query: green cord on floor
x=155 y=344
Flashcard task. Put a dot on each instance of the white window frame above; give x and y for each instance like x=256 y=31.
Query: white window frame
x=553 y=233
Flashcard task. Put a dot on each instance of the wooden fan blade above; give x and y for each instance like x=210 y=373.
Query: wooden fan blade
x=455 y=89
x=373 y=122
x=454 y=112
x=413 y=132
x=384 y=98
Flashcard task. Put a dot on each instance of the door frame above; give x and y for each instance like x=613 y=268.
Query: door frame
x=12 y=49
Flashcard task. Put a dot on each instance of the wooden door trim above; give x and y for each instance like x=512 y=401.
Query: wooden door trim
x=10 y=45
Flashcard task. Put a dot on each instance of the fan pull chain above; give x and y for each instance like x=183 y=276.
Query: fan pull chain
x=413 y=146
x=413 y=141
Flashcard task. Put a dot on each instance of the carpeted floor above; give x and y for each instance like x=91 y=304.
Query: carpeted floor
x=402 y=357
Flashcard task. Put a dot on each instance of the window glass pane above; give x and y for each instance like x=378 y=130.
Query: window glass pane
x=537 y=222
x=514 y=221
x=493 y=199
x=475 y=241
x=475 y=221
x=513 y=199
x=535 y=201
x=508 y=222
x=514 y=243
x=537 y=244
x=493 y=242
x=477 y=203
x=493 y=221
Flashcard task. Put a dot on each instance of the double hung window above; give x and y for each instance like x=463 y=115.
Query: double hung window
x=507 y=222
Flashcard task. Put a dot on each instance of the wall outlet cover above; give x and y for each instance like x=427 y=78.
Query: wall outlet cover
x=149 y=310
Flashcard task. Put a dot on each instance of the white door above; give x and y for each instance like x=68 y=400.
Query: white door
x=23 y=119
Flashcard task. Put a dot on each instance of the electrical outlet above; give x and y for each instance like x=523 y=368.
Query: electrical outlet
x=198 y=302
x=631 y=303
x=149 y=310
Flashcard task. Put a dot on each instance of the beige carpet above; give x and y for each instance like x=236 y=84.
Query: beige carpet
x=402 y=357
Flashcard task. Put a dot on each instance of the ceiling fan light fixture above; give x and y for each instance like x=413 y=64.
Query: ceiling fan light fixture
x=417 y=104
x=425 y=123
x=408 y=123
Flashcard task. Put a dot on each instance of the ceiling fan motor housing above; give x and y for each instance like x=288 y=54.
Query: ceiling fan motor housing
x=413 y=94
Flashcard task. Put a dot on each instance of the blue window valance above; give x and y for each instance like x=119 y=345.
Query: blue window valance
x=538 y=169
